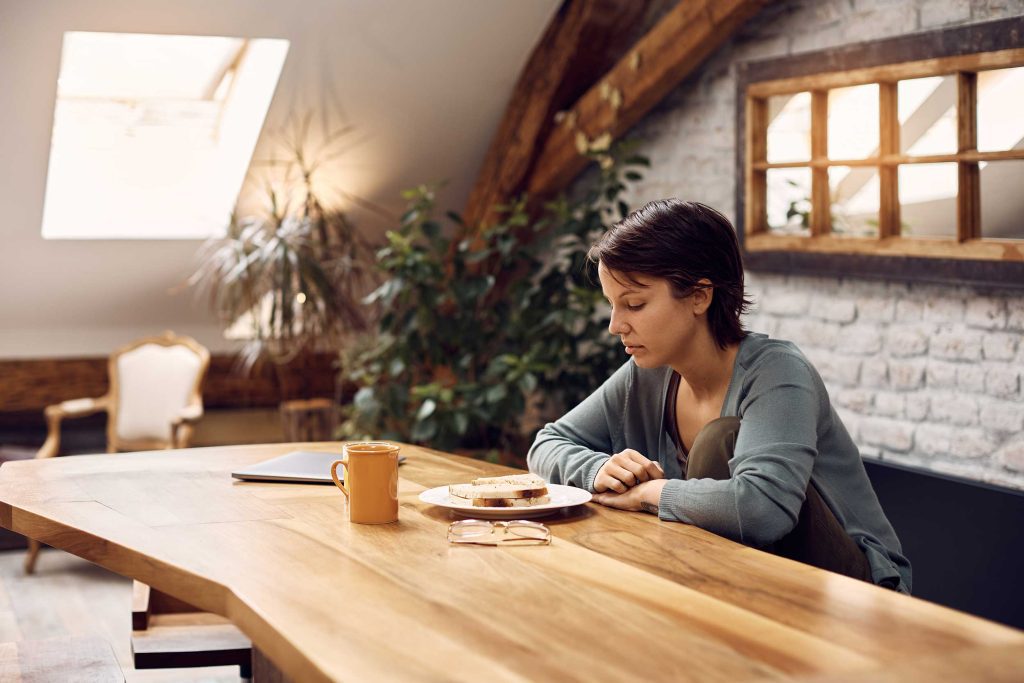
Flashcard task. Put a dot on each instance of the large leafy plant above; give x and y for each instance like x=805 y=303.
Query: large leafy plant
x=481 y=329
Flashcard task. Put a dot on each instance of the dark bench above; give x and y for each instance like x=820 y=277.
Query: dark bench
x=964 y=539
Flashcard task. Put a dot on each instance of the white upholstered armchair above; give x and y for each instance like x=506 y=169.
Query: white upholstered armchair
x=154 y=399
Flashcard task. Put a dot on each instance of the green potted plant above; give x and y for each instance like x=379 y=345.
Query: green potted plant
x=486 y=331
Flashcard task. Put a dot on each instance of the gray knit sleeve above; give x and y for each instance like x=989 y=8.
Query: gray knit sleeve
x=572 y=449
x=772 y=462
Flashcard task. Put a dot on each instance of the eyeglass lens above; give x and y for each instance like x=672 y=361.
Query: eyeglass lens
x=516 y=530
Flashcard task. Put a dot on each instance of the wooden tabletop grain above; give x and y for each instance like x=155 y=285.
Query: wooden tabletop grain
x=616 y=596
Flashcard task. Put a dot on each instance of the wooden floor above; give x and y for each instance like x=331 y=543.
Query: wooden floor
x=68 y=596
x=71 y=597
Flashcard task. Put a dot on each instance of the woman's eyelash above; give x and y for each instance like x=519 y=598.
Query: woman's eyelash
x=629 y=307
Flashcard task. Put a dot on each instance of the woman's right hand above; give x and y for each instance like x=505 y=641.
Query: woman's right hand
x=625 y=470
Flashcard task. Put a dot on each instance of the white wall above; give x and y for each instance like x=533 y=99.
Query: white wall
x=425 y=84
x=925 y=375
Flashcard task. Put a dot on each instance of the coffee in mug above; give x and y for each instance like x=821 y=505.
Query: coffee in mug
x=371 y=481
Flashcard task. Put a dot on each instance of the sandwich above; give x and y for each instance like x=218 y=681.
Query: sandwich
x=517 y=490
x=523 y=479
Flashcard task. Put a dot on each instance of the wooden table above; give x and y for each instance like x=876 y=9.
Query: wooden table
x=616 y=596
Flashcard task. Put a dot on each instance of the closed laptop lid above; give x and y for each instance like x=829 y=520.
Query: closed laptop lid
x=312 y=467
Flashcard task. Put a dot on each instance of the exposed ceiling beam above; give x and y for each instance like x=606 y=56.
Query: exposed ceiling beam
x=658 y=62
x=583 y=40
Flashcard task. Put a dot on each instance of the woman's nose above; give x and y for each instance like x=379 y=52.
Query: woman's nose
x=615 y=324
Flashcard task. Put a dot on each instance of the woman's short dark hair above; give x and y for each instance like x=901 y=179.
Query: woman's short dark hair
x=682 y=242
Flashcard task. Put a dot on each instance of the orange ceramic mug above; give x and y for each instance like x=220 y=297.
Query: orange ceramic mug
x=371 y=481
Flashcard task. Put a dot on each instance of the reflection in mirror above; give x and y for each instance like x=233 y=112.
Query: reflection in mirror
x=927 y=114
x=853 y=122
x=854 y=192
x=789 y=127
x=1002 y=201
x=789 y=201
x=928 y=200
x=1000 y=103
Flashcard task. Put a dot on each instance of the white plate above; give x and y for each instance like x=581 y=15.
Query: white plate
x=561 y=497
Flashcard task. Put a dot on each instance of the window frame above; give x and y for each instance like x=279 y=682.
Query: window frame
x=967 y=260
x=123 y=153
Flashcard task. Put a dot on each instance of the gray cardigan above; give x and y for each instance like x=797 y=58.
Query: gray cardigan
x=789 y=435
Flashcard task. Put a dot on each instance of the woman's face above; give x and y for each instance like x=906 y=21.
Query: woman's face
x=656 y=327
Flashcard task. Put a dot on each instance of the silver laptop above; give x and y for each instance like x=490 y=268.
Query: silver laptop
x=312 y=467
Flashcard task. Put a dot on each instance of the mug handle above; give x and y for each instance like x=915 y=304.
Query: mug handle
x=334 y=475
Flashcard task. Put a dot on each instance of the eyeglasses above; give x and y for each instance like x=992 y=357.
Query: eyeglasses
x=483 y=532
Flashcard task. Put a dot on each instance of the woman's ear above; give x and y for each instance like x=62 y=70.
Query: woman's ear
x=703 y=294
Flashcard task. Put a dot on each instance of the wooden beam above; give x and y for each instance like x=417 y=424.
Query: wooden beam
x=583 y=40
x=666 y=55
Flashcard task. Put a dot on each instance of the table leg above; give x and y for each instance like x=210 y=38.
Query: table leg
x=264 y=670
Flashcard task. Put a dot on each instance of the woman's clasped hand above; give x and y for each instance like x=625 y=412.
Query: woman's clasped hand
x=620 y=483
x=624 y=470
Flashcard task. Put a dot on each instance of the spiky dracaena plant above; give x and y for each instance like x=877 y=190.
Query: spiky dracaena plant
x=290 y=279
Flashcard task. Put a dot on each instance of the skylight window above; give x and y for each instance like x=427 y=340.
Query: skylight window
x=152 y=134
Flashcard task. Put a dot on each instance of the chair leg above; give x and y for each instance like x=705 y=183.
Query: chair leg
x=181 y=435
x=31 y=555
x=51 y=446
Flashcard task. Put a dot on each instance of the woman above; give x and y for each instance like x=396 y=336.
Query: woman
x=710 y=425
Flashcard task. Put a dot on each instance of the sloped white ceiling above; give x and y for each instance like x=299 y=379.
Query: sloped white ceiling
x=424 y=82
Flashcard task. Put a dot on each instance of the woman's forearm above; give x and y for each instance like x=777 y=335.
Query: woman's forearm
x=560 y=460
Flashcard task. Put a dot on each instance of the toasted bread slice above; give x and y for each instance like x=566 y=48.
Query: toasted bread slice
x=501 y=502
x=498 y=490
x=510 y=502
x=527 y=479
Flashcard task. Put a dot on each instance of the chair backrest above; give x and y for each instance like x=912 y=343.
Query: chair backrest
x=963 y=538
x=151 y=381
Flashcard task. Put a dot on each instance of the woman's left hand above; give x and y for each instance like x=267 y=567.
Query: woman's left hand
x=645 y=497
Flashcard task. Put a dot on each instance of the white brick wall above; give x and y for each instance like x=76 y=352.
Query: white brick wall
x=919 y=378
x=924 y=375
